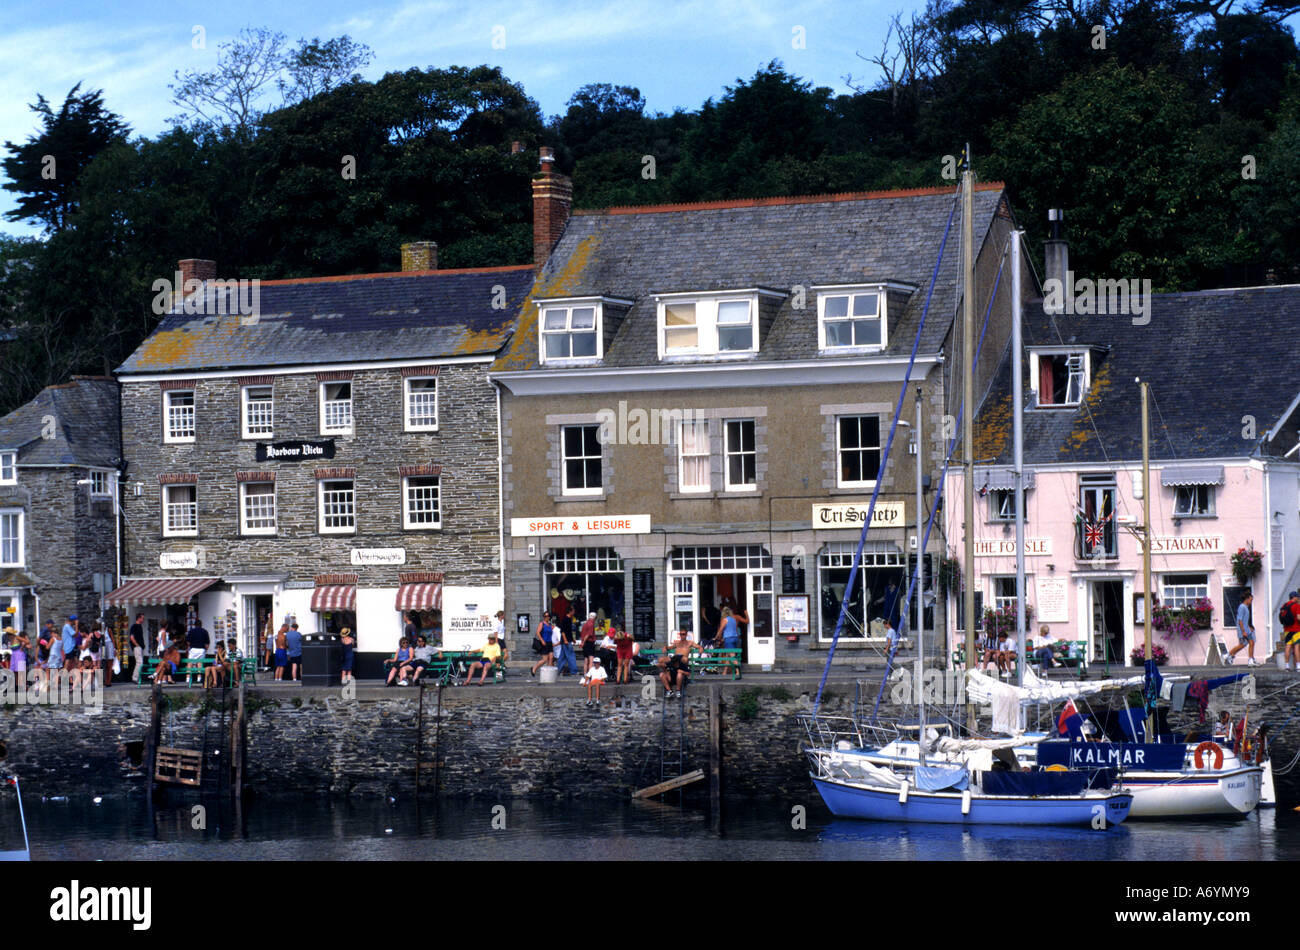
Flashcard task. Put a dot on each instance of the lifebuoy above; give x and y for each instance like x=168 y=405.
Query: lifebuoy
x=1199 y=755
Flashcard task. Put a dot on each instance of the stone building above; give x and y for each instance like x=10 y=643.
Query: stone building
x=332 y=455
x=60 y=457
x=695 y=405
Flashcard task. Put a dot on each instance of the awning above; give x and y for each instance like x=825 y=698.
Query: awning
x=1191 y=475
x=1003 y=479
x=334 y=597
x=419 y=597
x=156 y=592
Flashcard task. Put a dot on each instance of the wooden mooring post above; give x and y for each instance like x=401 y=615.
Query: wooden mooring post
x=419 y=742
x=151 y=741
x=238 y=743
x=715 y=761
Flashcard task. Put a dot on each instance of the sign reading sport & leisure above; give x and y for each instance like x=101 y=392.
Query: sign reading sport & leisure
x=594 y=524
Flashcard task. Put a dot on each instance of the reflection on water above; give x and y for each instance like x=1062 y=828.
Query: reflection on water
x=554 y=830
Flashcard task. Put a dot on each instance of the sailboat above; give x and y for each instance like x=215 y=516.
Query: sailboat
x=25 y=854
x=963 y=783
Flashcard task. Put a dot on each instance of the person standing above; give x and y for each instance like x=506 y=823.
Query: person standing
x=568 y=631
x=349 y=645
x=1245 y=632
x=293 y=641
x=588 y=636
x=281 y=657
x=542 y=644
x=69 y=638
x=135 y=640
x=1291 y=631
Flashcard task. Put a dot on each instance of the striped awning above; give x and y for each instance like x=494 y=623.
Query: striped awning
x=157 y=592
x=1191 y=475
x=334 y=597
x=419 y=597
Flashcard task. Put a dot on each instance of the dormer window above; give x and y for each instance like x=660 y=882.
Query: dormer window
x=708 y=327
x=851 y=320
x=570 y=332
x=1061 y=378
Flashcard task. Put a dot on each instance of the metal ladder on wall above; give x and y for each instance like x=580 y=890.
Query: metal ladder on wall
x=222 y=742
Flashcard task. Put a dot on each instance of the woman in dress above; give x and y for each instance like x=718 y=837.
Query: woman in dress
x=543 y=644
x=349 y=650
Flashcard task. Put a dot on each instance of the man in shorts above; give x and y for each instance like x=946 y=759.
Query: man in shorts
x=1245 y=632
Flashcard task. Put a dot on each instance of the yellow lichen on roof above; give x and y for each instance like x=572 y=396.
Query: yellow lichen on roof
x=992 y=429
x=478 y=341
x=562 y=282
x=1083 y=432
x=164 y=349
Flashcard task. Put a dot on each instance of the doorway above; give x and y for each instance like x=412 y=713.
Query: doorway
x=257 y=614
x=1107 y=640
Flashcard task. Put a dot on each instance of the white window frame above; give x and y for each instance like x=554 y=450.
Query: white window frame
x=825 y=295
x=567 y=307
x=244 y=527
x=167 y=504
x=728 y=453
x=706 y=324
x=8 y=468
x=407 y=523
x=20 y=539
x=565 y=489
x=168 y=436
x=351 y=401
x=698 y=427
x=320 y=506
x=999 y=600
x=1002 y=505
x=1084 y=376
x=108 y=480
x=839 y=452
x=245 y=430
x=1184 y=599
x=410 y=424
x=1191 y=491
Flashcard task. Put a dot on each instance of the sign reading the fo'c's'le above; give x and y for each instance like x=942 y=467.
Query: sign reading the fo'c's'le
x=297 y=451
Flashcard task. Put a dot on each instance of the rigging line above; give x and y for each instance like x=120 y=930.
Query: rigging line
x=884 y=458
x=1173 y=454
x=911 y=586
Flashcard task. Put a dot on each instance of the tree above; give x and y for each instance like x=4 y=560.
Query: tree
x=47 y=169
x=318 y=67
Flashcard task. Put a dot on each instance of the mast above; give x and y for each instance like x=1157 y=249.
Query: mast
x=968 y=401
x=1017 y=399
x=920 y=582
x=1146 y=538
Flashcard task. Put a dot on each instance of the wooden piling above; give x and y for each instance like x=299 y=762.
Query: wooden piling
x=715 y=761
x=437 y=742
x=238 y=741
x=419 y=740
x=151 y=741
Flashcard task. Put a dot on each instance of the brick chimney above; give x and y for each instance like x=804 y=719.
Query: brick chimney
x=552 y=198
x=195 y=269
x=420 y=255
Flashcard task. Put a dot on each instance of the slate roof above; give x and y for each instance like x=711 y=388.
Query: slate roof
x=634 y=253
x=1211 y=357
x=364 y=317
x=86 y=425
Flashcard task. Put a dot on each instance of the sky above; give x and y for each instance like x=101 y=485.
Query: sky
x=677 y=53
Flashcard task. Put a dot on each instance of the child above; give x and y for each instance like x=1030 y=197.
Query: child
x=594 y=679
x=234 y=659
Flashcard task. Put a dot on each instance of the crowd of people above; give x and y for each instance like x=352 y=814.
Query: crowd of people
x=81 y=654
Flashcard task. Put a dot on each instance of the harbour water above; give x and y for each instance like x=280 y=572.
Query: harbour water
x=478 y=829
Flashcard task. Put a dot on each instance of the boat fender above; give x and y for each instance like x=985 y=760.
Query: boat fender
x=1199 y=755
x=965 y=802
x=902 y=794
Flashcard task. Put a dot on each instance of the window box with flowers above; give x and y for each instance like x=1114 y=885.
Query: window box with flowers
x=1181 y=623
x=1246 y=563
x=1002 y=621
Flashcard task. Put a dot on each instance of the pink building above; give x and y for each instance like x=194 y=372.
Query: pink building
x=1225 y=472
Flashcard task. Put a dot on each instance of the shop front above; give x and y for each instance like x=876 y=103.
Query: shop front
x=706 y=579
x=180 y=602
x=419 y=600
x=588 y=580
x=877 y=591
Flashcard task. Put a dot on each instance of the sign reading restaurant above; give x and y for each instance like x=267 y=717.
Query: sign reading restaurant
x=294 y=451
x=594 y=524
x=1185 y=544
x=888 y=514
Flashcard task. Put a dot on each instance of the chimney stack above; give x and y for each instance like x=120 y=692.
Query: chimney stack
x=552 y=198
x=192 y=268
x=420 y=255
x=516 y=147
x=1057 y=252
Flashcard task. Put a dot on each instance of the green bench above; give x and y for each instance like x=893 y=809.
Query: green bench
x=1076 y=655
x=718 y=660
x=449 y=666
x=190 y=669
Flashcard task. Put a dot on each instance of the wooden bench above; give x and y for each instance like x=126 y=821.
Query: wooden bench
x=718 y=660
x=193 y=668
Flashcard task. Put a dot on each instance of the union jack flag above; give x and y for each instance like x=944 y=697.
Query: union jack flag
x=1094 y=534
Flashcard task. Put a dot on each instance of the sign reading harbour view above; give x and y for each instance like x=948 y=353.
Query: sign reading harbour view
x=364 y=556
x=594 y=524
x=888 y=514
x=294 y=451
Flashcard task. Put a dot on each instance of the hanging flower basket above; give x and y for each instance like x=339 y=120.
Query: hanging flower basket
x=1158 y=654
x=1246 y=563
x=949 y=575
x=1181 y=623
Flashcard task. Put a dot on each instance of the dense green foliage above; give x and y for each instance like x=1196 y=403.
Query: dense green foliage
x=1168 y=130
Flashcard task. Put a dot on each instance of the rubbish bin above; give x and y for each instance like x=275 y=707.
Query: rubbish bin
x=321 y=659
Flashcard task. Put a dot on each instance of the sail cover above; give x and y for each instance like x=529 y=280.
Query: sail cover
x=984 y=689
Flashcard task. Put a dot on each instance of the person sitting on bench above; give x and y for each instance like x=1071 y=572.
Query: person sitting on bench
x=420 y=660
x=167 y=664
x=491 y=653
